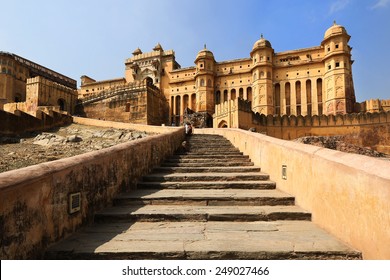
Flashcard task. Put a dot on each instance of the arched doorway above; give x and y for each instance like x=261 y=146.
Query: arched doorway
x=222 y=124
x=61 y=102
x=149 y=81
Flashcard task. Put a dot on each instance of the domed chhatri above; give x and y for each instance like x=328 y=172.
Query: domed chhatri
x=262 y=43
x=335 y=29
x=137 y=51
x=158 y=47
x=204 y=53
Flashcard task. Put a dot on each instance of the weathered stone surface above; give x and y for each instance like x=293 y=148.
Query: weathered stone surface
x=340 y=143
x=204 y=240
x=65 y=142
x=179 y=213
x=34 y=201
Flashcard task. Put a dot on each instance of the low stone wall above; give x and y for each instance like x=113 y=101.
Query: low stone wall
x=364 y=129
x=347 y=194
x=34 y=201
x=121 y=125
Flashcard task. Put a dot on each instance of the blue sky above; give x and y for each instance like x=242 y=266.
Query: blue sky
x=95 y=37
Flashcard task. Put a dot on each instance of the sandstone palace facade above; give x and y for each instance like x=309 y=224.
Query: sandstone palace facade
x=311 y=81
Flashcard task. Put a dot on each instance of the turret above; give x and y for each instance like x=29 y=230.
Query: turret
x=262 y=68
x=339 y=92
x=205 y=66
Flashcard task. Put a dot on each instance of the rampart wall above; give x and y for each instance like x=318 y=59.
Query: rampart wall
x=364 y=129
x=34 y=201
x=135 y=102
x=21 y=122
x=347 y=194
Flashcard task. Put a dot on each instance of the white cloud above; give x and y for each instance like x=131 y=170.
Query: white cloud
x=339 y=5
x=380 y=4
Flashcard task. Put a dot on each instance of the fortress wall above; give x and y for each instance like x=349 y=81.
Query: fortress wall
x=20 y=122
x=34 y=200
x=102 y=110
x=347 y=194
x=136 y=103
x=363 y=129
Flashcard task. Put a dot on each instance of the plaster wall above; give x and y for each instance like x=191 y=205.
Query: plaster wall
x=347 y=194
x=34 y=200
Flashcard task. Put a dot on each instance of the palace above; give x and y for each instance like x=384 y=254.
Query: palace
x=311 y=81
x=28 y=86
x=156 y=90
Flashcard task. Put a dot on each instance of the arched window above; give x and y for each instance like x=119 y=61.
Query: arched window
x=288 y=99
x=298 y=97
x=233 y=94
x=249 y=94
x=172 y=105
x=308 y=97
x=185 y=101
x=261 y=75
x=241 y=93
x=277 y=99
x=202 y=82
x=193 y=102
x=209 y=83
x=225 y=95
x=218 y=97
x=319 y=96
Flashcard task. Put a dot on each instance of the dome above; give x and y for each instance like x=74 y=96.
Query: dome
x=158 y=47
x=335 y=29
x=205 y=53
x=262 y=43
x=137 y=51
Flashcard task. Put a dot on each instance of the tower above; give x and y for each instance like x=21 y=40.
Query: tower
x=262 y=72
x=204 y=81
x=339 y=92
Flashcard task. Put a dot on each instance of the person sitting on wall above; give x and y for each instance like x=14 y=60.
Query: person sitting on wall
x=188 y=128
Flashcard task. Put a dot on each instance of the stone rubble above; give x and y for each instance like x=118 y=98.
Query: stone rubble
x=16 y=152
x=339 y=143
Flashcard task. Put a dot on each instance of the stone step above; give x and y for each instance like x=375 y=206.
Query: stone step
x=216 y=150
x=208 y=169
x=206 y=137
x=190 y=177
x=206 y=164
x=264 y=184
x=208 y=203
x=274 y=240
x=210 y=152
x=204 y=197
x=179 y=213
x=213 y=144
x=209 y=156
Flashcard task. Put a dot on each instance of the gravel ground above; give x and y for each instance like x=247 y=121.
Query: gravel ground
x=64 y=142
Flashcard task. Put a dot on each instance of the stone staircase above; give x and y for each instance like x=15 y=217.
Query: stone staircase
x=209 y=202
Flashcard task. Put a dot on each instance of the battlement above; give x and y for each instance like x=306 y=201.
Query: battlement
x=366 y=118
x=368 y=129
